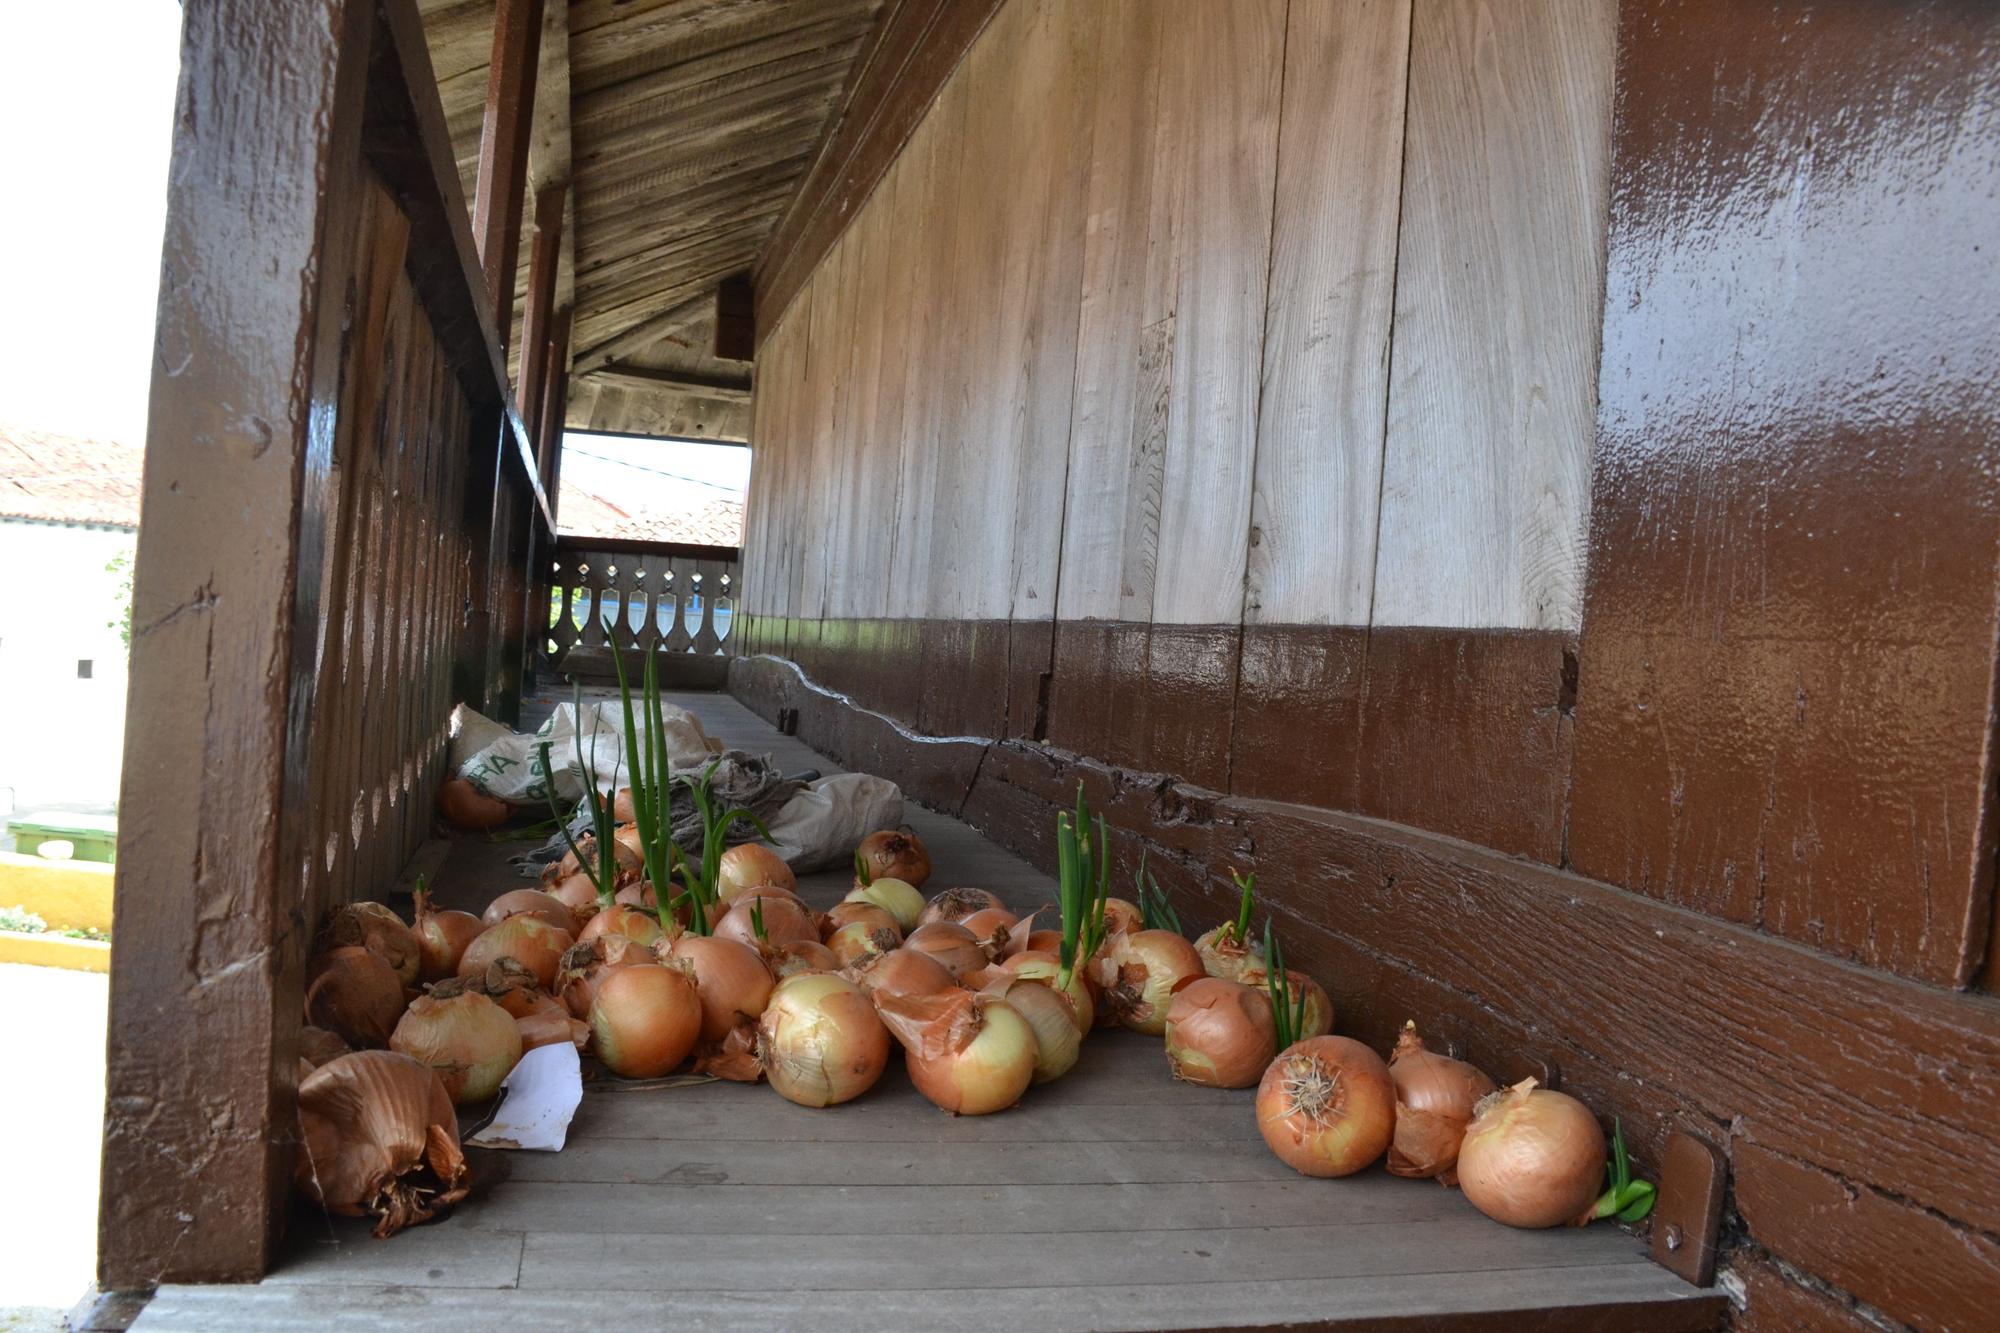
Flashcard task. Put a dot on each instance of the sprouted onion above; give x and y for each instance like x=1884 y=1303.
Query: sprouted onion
x=1326 y=1106
x=1219 y=1033
x=1532 y=1157
x=1141 y=971
x=1058 y=1041
x=645 y=1020
x=1435 y=1097
x=1225 y=951
x=820 y=1041
x=634 y=923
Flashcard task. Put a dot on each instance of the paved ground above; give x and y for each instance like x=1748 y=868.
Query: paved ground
x=51 y=1112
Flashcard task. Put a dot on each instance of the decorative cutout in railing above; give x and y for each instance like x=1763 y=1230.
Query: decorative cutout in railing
x=640 y=595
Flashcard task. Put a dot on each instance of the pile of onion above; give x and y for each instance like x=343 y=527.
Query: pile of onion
x=819 y=1041
x=951 y=944
x=894 y=896
x=895 y=855
x=958 y=904
x=732 y=981
x=1435 y=1098
x=1532 y=1158
x=1326 y=1106
x=749 y=864
x=1058 y=1039
x=993 y=927
x=970 y=1054
x=353 y=994
x=377 y=1136
x=379 y=930
x=442 y=938
x=466 y=807
x=470 y=1041
x=537 y=903
x=1220 y=1033
x=645 y=1020
x=528 y=940
x=1141 y=971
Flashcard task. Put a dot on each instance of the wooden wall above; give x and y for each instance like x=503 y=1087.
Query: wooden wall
x=1566 y=427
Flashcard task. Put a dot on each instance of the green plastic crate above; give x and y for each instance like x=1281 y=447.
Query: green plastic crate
x=95 y=836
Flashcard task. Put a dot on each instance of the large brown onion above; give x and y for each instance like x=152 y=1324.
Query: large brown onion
x=899 y=899
x=893 y=855
x=470 y=1041
x=1220 y=1033
x=352 y=993
x=645 y=1020
x=1141 y=970
x=579 y=894
x=791 y=960
x=1034 y=965
x=442 y=937
x=1531 y=1157
x=958 y=904
x=992 y=927
x=969 y=1054
x=584 y=967
x=785 y=922
x=819 y=1040
x=466 y=807
x=951 y=944
x=1435 y=1097
x=901 y=972
x=749 y=864
x=1058 y=1042
x=377 y=1137
x=537 y=903
x=528 y=940
x=731 y=979
x=379 y=930
x=636 y=924
x=1326 y=1106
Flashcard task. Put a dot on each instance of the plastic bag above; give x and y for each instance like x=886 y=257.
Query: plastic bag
x=822 y=825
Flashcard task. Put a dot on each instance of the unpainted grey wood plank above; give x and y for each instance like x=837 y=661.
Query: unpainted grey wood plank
x=333 y=1251
x=916 y=1122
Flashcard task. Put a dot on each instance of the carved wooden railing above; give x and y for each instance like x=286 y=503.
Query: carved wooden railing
x=641 y=596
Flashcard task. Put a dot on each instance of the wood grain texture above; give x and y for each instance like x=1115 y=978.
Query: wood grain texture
x=1499 y=291
x=1326 y=331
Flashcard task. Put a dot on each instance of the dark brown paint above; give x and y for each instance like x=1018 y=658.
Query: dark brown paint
x=1785 y=706
x=1298 y=714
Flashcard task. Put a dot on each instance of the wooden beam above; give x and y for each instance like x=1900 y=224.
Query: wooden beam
x=736 y=319
x=645 y=377
x=551 y=409
x=535 y=329
x=503 y=150
x=691 y=307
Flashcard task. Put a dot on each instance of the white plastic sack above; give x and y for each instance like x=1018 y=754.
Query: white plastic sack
x=508 y=764
x=822 y=825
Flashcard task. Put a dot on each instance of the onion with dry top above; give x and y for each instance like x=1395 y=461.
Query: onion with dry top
x=1220 y=1033
x=819 y=1041
x=442 y=937
x=895 y=855
x=958 y=904
x=352 y=993
x=1435 y=1098
x=1326 y=1106
x=379 y=930
x=1532 y=1157
x=470 y=1041
x=528 y=940
x=1140 y=972
x=378 y=1138
x=537 y=903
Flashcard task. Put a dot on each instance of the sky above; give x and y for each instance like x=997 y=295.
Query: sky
x=86 y=124
x=609 y=465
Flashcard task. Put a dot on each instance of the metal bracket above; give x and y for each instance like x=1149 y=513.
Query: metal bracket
x=1687 y=1223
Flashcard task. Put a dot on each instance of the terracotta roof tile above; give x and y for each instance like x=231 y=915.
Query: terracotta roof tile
x=710 y=522
x=63 y=479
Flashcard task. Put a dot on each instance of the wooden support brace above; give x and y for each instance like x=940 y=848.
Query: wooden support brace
x=503 y=151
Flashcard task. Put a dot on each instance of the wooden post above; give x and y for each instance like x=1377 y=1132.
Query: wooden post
x=736 y=319
x=543 y=262
x=214 y=819
x=503 y=152
x=553 y=408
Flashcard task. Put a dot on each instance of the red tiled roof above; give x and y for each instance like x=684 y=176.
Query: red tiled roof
x=63 y=479
x=713 y=522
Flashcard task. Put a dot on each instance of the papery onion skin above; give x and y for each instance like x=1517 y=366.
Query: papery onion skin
x=1227 y=957
x=470 y=1041
x=1326 y=1107
x=856 y=940
x=538 y=903
x=548 y=1022
x=1220 y=1034
x=949 y=943
x=731 y=979
x=377 y=1136
x=466 y=807
x=901 y=972
x=528 y=940
x=1532 y=1158
x=819 y=1041
x=795 y=960
x=622 y=808
x=848 y=913
x=1122 y=917
x=1144 y=968
x=784 y=923
x=1046 y=968
x=645 y=1020
x=352 y=993
x=377 y=928
x=1058 y=1042
x=317 y=1046
x=1435 y=1098
x=749 y=864
x=442 y=937
x=578 y=893
x=899 y=899
x=968 y=1054
x=1045 y=941
x=584 y=967
x=958 y=904
x=893 y=855
x=991 y=927
x=636 y=924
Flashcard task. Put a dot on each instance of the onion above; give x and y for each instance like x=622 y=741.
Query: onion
x=991 y=926
x=441 y=938
x=1220 y=1033
x=1318 y=1019
x=528 y=940
x=958 y=904
x=505 y=982
x=578 y=893
x=635 y=924
x=625 y=853
x=1046 y=968
x=970 y=1054
x=638 y=894
x=353 y=994
x=531 y=902
x=1045 y=941
x=1058 y=1040
x=819 y=1040
x=470 y=1041
x=892 y=855
x=731 y=979
x=749 y=864
x=1141 y=971
x=464 y=806
x=1435 y=1097
x=548 y=1022
x=949 y=943
x=1122 y=918
x=848 y=913
x=622 y=809
x=1226 y=956
x=900 y=972
x=857 y=939
x=793 y=960
x=317 y=1046
x=644 y=1020
x=894 y=896
x=785 y=922
x=1326 y=1106
x=377 y=1136
x=1531 y=1157
x=380 y=931
x=584 y=967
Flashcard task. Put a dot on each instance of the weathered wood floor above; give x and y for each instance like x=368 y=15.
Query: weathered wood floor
x=1113 y=1199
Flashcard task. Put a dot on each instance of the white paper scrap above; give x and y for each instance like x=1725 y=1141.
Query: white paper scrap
x=537 y=1101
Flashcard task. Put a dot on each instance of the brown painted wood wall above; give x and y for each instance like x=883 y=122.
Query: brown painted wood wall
x=1208 y=404
x=337 y=505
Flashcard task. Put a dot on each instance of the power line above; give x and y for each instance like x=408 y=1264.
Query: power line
x=655 y=471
